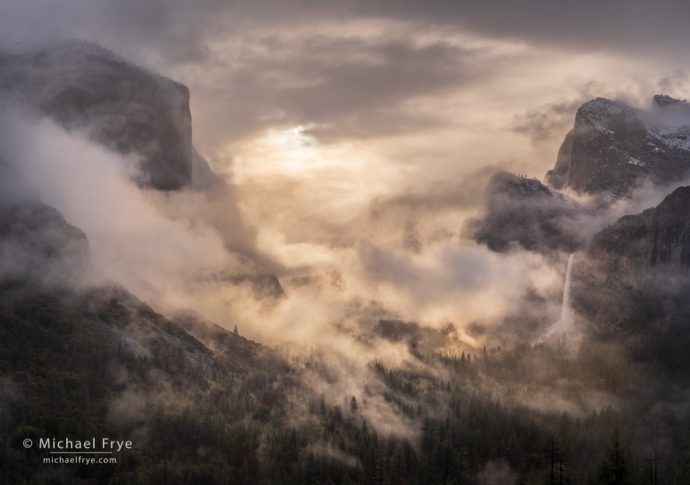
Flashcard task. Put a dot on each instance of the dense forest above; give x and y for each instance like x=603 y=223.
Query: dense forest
x=241 y=414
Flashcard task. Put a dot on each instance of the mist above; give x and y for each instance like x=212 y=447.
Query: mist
x=401 y=256
x=330 y=226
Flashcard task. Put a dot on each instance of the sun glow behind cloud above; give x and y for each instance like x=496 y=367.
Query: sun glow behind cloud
x=289 y=162
x=296 y=151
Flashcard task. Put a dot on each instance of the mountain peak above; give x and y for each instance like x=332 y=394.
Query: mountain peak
x=605 y=114
x=613 y=147
x=66 y=47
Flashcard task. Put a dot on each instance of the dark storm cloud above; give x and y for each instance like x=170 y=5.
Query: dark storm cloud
x=588 y=23
x=346 y=87
x=397 y=70
x=260 y=76
x=350 y=85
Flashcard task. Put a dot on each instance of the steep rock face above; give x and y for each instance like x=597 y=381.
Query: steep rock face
x=613 y=146
x=123 y=106
x=636 y=271
x=524 y=211
x=655 y=238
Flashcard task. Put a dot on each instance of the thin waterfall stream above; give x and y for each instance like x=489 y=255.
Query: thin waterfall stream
x=564 y=323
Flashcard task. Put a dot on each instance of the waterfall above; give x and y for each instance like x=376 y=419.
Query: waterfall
x=566 y=313
x=565 y=322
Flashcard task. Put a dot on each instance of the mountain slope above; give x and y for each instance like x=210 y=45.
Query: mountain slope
x=658 y=237
x=636 y=273
x=34 y=238
x=78 y=360
x=613 y=146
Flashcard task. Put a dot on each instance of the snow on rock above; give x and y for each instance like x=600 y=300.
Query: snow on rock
x=613 y=147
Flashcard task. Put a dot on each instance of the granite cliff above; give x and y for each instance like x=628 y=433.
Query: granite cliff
x=123 y=106
x=613 y=147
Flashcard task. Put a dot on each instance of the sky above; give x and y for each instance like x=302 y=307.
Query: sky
x=361 y=133
x=392 y=77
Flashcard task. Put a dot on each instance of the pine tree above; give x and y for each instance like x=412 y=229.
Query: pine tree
x=614 y=468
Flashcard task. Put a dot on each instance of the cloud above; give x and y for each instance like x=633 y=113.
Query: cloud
x=464 y=193
x=543 y=122
x=352 y=68
x=183 y=27
x=340 y=86
x=133 y=238
x=440 y=88
x=587 y=25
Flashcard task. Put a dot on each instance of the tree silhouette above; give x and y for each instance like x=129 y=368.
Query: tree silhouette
x=614 y=468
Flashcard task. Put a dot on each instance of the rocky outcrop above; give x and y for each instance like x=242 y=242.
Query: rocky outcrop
x=123 y=106
x=525 y=212
x=613 y=147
